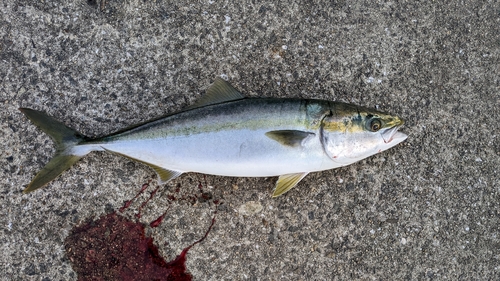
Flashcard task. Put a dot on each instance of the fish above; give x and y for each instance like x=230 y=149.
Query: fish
x=225 y=133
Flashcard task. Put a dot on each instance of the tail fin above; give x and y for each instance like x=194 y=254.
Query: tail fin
x=64 y=138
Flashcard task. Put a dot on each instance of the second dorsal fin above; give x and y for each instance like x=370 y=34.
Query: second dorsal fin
x=220 y=91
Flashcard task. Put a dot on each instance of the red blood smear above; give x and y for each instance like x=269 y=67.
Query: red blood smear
x=127 y=203
x=180 y=260
x=159 y=220
x=151 y=195
x=115 y=248
x=200 y=186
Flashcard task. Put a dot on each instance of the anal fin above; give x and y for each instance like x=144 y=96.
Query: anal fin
x=164 y=175
x=287 y=182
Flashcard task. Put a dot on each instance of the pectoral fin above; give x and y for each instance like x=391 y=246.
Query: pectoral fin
x=220 y=91
x=291 y=138
x=164 y=175
x=287 y=182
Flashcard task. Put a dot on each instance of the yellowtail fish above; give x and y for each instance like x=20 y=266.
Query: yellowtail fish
x=226 y=134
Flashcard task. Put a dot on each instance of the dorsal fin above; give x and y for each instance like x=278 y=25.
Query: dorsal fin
x=220 y=91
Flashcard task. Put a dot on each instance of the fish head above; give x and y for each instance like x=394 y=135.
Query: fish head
x=351 y=133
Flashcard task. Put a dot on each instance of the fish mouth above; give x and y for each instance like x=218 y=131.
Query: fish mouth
x=392 y=134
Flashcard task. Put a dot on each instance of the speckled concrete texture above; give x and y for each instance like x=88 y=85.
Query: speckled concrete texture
x=428 y=209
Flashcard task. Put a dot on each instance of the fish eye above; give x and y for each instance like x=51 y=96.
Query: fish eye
x=375 y=125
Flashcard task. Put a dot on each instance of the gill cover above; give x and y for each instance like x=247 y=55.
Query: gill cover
x=343 y=140
x=355 y=133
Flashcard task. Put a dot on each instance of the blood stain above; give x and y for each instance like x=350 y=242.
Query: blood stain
x=117 y=248
x=127 y=203
x=159 y=220
x=151 y=195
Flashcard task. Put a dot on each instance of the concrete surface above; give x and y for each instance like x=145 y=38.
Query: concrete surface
x=428 y=209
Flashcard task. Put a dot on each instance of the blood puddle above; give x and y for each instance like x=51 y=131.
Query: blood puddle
x=115 y=247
